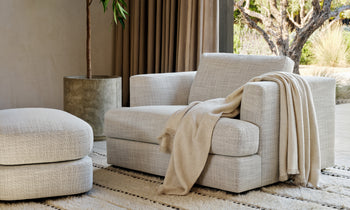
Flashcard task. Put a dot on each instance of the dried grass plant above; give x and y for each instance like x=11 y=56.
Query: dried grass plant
x=330 y=47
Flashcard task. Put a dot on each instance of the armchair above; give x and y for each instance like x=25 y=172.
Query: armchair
x=244 y=151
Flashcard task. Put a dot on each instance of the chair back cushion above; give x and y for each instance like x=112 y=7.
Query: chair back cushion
x=219 y=74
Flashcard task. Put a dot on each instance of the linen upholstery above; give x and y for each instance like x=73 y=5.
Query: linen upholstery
x=219 y=74
x=160 y=89
x=137 y=155
x=260 y=106
x=45 y=180
x=237 y=174
x=43 y=153
x=38 y=135
x=141 y=123
x=231 y=137
x=187 y=134
x=323 y=90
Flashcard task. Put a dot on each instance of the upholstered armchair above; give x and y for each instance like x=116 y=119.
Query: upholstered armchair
x=244 y=151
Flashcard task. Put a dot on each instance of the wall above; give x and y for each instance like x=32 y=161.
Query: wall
x=41 y=41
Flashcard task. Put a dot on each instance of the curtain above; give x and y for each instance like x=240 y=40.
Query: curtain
x=165 y=36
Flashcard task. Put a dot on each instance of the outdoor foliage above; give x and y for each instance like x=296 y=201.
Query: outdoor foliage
x=329 y=46
x=340 y=3
x=248 y=41
x=280 y=18
x=347 y=40
x=237 y=45
x=307 y=57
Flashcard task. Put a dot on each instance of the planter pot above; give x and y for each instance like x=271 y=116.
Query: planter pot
x=89 y=99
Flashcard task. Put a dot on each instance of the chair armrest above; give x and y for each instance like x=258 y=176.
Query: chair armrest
x=323 y=94
x=261 y=106
x=161 y=89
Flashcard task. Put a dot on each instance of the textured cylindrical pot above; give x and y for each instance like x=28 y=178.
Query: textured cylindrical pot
x=90 y=99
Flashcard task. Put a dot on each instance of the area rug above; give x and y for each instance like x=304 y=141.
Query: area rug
x=119 y=188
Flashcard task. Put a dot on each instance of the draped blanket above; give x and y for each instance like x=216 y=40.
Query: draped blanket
x=187 y=134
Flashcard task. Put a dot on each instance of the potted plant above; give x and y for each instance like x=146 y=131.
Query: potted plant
x=89 y=97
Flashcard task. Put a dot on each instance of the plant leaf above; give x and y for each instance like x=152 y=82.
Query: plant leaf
x=121 y=21
x=121 y=10
x=114 y=13
x=119 y=13
x=123 y=3
x=124 y=11
x=104 y=3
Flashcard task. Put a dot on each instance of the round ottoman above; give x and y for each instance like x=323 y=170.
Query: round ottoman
x=43 y=153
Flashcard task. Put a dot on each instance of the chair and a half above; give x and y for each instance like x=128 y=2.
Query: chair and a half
x=244 y=151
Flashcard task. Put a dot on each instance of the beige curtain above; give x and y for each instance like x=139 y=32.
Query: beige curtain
x=165 y=36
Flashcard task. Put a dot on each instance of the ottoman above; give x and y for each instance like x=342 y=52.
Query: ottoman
x=43 y=153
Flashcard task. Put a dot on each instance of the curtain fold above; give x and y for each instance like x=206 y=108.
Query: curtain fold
x=165 y=36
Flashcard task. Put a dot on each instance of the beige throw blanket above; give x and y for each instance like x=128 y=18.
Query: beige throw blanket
x=188 y=134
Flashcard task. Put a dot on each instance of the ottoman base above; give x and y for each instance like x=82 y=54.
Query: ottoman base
x=21 y=182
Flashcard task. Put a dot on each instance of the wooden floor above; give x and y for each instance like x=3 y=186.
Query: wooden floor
x=342 y=136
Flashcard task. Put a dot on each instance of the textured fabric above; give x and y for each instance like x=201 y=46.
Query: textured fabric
x=236 y=174
x=143 y=123
x=165 y=36
x=221 y=73
x=323 y=91
x=38 y=135
x=231 y=137
x=119 y=188
x=190 y=131
x=45 y=180
x=160 y=89
x=261 y=106
x=137 y=155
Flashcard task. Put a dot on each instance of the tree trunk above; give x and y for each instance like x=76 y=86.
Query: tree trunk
x=295 y=56
x=88 y=41
x=302 y=35
x=295 y=50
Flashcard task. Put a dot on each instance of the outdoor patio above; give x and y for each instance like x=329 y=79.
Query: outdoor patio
x=342 y=134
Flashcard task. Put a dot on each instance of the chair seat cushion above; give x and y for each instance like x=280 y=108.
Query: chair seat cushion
x=39 y=135
x=140 y=123
x=231 y=137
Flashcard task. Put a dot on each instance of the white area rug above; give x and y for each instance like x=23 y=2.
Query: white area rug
x=118 y=188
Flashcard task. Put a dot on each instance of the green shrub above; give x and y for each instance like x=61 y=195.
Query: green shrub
x=307 y=56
